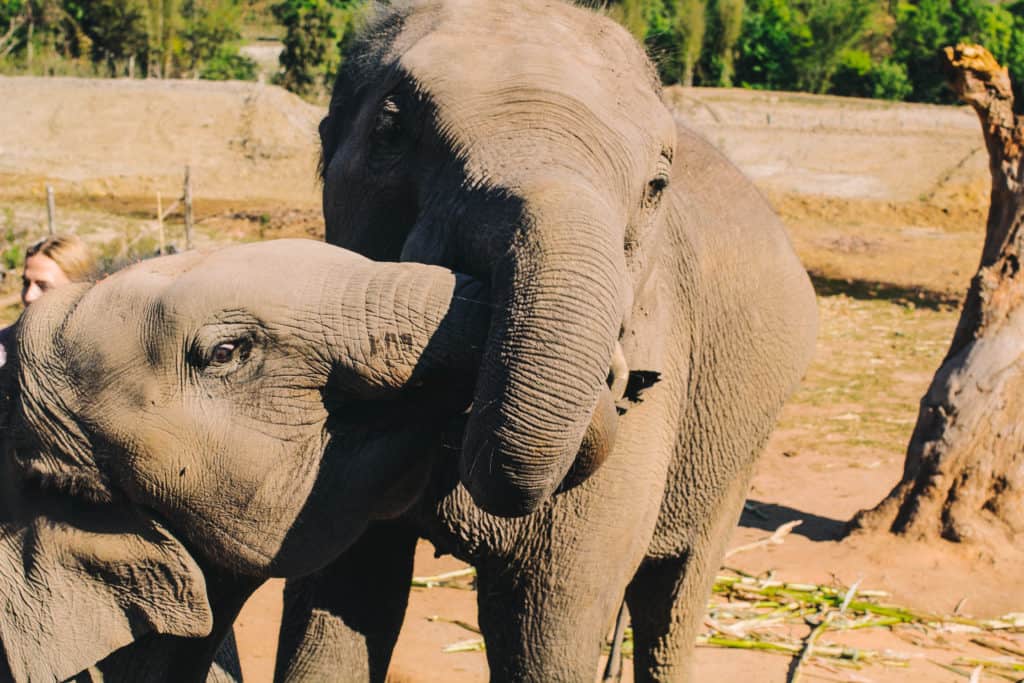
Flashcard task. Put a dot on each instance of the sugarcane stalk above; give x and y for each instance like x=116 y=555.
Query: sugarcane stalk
x=1001 y=648
x=446 y=579
x=815 y=633
x=990 y=664
x=789 y=649
x=471 y=645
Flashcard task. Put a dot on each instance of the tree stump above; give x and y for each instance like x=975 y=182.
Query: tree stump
x=963 y=479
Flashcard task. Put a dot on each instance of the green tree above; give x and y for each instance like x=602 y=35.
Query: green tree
x=14 y=17
x=310 y=54
x=859 y=76
x=1014 y=59
x=226 y=64
x=123 y=37
x=921 y=31
x=771 y=39
x=162 y=25
x=833 y=26
x=48 y=26
x=210 y=30
x=924 y=27
x=117 y=33
x=690 y=25
x=631 y=14
x=729 y=14
x=675 y=37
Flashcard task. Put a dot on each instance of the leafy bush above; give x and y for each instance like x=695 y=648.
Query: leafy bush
x=858 y=76
x=228 y=65
x=833 y=26
x=162 y=38
x=925 y=27
x=770 y=41
x=890 y=81
x=310 y=54
x=13 y=257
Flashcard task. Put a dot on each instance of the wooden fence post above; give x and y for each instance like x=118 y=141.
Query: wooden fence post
x=50 y=210
x=160 y=222
x=188 y=208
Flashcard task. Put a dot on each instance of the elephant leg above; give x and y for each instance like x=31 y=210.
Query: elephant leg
x=545 y=622
x=667 y=597
x=226 y=667
x=665 y=602
x=158 y=657
x=341 y=623
x=549 y=585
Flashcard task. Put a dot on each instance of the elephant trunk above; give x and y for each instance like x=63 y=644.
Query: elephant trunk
x=409 y=320
x=559 y=305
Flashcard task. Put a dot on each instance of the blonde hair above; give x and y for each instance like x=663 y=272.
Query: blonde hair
x=69 y=253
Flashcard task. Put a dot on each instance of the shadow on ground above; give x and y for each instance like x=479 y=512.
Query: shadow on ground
x=769 y=516
x=868 y=289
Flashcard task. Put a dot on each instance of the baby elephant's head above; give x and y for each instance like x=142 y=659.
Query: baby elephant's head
x=263 y=400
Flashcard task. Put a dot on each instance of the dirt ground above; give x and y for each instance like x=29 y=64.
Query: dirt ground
x=885 y=205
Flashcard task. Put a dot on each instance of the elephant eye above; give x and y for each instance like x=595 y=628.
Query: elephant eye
x=657 y=185
x=226 y=352
x=387 y=129
x=655 y=188
x=222 y=353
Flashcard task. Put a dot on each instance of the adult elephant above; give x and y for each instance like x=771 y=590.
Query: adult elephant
x=182 y=430
x=527 y=144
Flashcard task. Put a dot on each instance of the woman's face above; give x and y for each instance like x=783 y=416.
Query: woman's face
x=41 y=274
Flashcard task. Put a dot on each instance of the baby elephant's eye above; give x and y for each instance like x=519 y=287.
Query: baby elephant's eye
x=223 y=353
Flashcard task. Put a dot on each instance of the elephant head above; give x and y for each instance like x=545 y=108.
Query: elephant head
x=539 y=167
x=247 y=410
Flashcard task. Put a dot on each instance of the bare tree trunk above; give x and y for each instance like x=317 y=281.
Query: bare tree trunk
x=687 y=78
x=29 y=46
x=963 y=478
x=690 y=24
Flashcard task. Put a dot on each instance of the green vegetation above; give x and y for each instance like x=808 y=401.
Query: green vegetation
x=134 y=38
x=887 y=49
x=866 y=48
x=316 y=33
x=884 y=49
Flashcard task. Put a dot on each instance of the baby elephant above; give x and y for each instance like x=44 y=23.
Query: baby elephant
x=180 y=431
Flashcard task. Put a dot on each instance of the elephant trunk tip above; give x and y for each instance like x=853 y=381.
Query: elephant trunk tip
x=501 y=497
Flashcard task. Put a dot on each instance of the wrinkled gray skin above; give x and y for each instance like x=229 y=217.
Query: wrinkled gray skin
x=527 y=144
x=182 y=430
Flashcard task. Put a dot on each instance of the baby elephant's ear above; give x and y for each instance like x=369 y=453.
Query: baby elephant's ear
x=78 y=581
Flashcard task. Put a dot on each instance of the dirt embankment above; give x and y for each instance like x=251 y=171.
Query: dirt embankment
x=843 y=147
x=248 y=140
x=861 y=183
x=128 y=139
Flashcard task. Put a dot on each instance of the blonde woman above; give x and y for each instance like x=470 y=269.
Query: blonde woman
x=50 y=263
x=53 y=262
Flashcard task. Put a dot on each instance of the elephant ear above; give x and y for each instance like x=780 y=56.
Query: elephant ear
x=79 y=581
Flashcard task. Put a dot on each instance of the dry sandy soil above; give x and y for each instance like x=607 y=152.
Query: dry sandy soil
x=885 y=204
